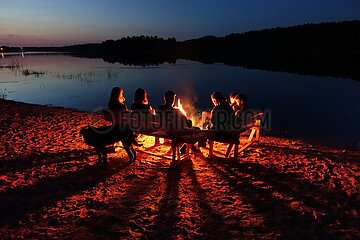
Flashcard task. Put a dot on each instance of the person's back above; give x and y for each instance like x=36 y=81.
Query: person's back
x=116 y=102
x=140 y=107
x=164 y=108
x=171 y=119
x=140 y=103
x=116 y=105
x=221 y=116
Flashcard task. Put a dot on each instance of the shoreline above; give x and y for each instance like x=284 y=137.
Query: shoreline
x=50 y=186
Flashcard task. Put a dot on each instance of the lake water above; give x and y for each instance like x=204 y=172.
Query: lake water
x=322 y=110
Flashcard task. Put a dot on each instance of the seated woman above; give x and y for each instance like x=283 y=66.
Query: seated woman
x=141 y=103
x=117 y=99
x=117 y=106
x=142 y=112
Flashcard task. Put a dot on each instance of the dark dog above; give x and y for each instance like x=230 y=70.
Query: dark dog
x=101 y=137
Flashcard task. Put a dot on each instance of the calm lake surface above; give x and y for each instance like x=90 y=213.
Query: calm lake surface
x=321 y=110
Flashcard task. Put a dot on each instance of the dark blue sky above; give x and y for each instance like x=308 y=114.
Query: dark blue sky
x=61 y=22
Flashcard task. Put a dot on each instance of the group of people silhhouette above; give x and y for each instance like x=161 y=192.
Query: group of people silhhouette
x=219 y=123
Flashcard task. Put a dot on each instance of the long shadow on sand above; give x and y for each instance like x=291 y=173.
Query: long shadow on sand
x=37 y=159
x=167 y=224
x=279 y=215
x=15 y=204
x=168 y=217
x=215 y=225
x=352 y=158
x=119 y=216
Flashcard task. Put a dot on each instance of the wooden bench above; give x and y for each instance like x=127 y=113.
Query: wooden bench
x=253 y=128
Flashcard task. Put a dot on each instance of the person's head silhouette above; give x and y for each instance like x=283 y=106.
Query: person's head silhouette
x=217 y=98
x=140 y=96
x=169 y=98
x=117 y=95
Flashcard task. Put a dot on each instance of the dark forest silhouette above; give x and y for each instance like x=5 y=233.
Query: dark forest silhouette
x=329 y=49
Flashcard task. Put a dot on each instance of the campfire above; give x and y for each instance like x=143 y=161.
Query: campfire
x=191 y=113
x=180 y=107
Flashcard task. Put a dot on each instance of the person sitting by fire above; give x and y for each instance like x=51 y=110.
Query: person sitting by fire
x=141 y=103
x=171 y=118
x=238 y=102
x=117 y=108
x=233 y=103
x=117 y=99
x=142 y=112
x=221 y=116
x=176 y=122
x=218 y=122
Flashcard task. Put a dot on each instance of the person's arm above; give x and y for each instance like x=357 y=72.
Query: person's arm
x=213 y=118
x=151 y=110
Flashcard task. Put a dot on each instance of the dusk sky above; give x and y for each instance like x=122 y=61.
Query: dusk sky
x=64 y=22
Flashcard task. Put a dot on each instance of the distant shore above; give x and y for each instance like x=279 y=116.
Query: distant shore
x=323 y=49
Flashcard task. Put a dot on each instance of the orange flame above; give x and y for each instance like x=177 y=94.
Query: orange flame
x=180 y=107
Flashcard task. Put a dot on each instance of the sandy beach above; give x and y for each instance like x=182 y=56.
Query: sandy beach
x=51 y=187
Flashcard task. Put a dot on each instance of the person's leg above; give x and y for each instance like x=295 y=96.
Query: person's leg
x=133 y=151
x=104 y=153
x=98 y=152
x=129 y=152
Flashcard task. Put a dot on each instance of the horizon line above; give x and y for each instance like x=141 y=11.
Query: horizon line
x=255 y=30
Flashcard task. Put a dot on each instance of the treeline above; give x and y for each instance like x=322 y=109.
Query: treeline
x=331 y=37
x=140 y=50
x=88 y=48
x=10 y=49
x=331 y=49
